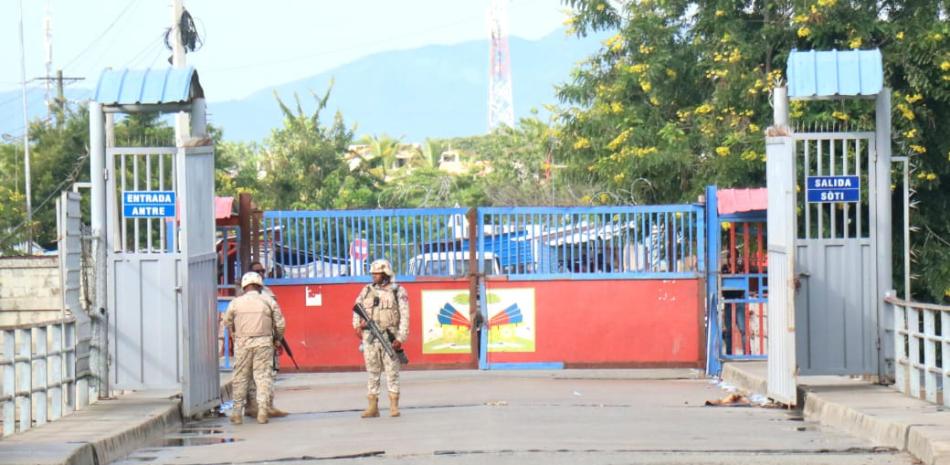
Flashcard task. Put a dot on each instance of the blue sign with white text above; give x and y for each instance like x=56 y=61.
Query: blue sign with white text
x=148 y=204
x=824 y=189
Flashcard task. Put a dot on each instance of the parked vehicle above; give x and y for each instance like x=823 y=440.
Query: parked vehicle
x=450 y=264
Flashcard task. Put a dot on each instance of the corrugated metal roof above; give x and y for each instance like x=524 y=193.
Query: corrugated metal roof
x=834 y=73
x=148 y=86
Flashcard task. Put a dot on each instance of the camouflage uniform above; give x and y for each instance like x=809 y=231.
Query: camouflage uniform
x=255 y=323
x=251 y=405
x=388 y=306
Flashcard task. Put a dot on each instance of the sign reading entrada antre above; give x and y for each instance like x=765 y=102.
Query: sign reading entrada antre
x=148 y=204
x=822 y=189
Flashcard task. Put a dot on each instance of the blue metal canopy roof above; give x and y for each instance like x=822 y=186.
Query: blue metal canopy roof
x=148 y=86
x=833 y=73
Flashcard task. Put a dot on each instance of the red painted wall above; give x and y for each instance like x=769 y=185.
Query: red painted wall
x=614 y=323
x=322 y=337
x=580 y=323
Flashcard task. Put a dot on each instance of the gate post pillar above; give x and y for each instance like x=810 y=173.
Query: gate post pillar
x=883 y=229
x=97 y=170
x=780 y=176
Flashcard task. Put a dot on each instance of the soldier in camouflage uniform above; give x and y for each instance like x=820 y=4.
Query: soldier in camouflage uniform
x=256 y=324
x=388 y=305
x=250 y=408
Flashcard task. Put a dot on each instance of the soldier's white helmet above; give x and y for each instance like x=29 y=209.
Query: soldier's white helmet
x=382 y=266
x=250 y=278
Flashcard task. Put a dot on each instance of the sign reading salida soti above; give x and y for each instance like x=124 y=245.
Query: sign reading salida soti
x=824 y=189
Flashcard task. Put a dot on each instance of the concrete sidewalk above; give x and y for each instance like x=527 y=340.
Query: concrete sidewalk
x=879 y=414
x=103 y=432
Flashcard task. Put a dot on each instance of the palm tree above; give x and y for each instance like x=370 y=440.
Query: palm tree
x=383 y=149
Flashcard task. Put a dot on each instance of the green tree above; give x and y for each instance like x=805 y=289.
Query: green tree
x=12 y=200
x=59 y=157
x=678 y=97
x=304 y=165
x=382 y=156
x=238 y=168
x=520 y=166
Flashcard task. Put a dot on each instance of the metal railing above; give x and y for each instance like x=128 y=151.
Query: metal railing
x=38 y=373
x=922 y=345
x=338 y=246
x=633 y=242
x=630 y=242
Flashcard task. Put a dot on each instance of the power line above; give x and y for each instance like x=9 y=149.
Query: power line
x=73 y=175
x=154 y=42
x=103 y=33
x=18 y=97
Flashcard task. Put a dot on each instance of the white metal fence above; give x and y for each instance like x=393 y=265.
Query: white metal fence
x=922 y=348
x=38 y=372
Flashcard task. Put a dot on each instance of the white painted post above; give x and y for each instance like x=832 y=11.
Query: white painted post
x=900 y=324
x=40 y=366
x=68 y=369
x=24 y=378
x=945 y=362
x=780 y=175
x=82 y=386
x=9 y=382
x=913 y=351
x=199 y=118
x=930 y=356
x=178 y=61
x=883 y=240
x=97 y=171
x=55 y=387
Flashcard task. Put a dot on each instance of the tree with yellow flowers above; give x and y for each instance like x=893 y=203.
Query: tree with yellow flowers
x=678 y=98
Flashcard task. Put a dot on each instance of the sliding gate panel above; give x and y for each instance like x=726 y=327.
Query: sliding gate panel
x=597 y=286
x=318 y=262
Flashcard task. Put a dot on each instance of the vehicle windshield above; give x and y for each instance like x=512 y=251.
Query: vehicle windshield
x=447 y=266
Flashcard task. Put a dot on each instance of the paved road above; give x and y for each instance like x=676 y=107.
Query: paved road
x=564 y=417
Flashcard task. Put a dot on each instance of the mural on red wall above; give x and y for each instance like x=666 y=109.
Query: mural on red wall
x=511 y=320
x=446 y=328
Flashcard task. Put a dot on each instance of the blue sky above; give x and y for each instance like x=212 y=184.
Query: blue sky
x=249 y=45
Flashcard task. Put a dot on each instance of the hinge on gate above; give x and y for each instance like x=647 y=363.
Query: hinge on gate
x=877 y=344
x=105 y=174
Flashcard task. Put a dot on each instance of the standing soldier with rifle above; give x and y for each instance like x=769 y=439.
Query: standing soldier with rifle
x=384 y=306
x=252 y=406
x=257 y=325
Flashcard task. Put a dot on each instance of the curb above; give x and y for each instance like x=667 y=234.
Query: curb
x=905 y=424
x=743 y=380
x=60 y=446
x=880 y=431
x=119 y=445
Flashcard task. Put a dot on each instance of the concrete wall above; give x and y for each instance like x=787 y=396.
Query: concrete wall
x=29 y=290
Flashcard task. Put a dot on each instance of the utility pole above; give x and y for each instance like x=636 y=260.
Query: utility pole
x=26 y=141
x=178 y=61
x=60 y=101
x=48 y=27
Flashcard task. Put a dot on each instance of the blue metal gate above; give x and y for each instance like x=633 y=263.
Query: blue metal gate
x=572 y=278
x=737 y=285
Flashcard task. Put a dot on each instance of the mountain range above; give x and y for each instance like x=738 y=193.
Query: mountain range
x=431 y=91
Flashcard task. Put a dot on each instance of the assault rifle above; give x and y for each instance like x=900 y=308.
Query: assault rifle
x=396 y=355
x=286 y=346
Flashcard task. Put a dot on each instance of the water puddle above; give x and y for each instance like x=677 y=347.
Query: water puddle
x=196 y=441
x=200 y=431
